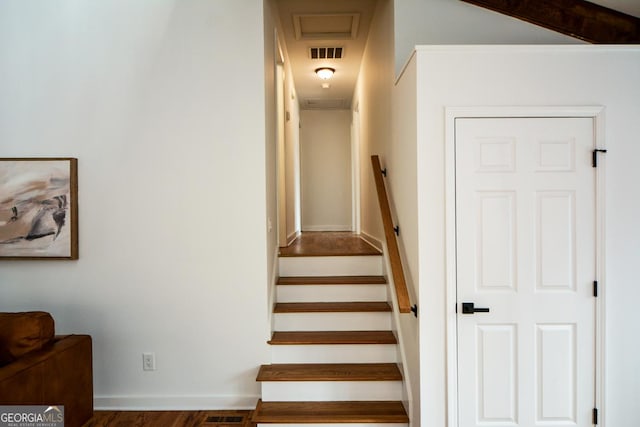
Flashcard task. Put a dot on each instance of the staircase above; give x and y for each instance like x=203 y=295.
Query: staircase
x=334 y=354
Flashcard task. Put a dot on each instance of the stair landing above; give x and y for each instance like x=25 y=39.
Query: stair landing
x=328 y=243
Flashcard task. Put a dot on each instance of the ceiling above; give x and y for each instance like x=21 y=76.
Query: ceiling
x=343 y=24
x=630 y=7
x=318 y=24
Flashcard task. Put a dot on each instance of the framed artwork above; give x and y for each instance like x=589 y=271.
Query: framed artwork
x=39 y=208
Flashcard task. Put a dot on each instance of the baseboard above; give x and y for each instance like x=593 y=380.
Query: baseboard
x=174 y=403
x=275 y=268
x=293 y=236
x=398 y=330
x=372 y=241
x=326 y=228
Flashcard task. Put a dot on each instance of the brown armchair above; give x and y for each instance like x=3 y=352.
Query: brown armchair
x=38 y=368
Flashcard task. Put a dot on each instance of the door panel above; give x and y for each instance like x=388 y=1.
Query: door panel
x=525 y=248
x=555 y=240
x=556 y=367
x=495 y=239
x=497 y=373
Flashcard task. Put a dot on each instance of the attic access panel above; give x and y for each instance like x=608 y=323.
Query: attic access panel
x=328 y=26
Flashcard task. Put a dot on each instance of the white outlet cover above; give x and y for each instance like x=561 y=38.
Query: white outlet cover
x=148 y=361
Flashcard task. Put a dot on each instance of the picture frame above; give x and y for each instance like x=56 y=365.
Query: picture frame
x=39 y=208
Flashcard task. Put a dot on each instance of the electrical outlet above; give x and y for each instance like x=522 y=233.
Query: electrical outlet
x=148 y=361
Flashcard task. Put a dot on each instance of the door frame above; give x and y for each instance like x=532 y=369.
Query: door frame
x=280 y=130
x=453 y=113
x=355 y=168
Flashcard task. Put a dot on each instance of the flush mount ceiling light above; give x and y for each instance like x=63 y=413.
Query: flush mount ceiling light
x=325 y=73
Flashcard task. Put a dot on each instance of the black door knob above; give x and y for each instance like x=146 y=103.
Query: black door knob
x=469 y=308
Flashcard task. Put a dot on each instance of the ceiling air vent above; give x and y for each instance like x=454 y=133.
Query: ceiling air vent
x=325 y=52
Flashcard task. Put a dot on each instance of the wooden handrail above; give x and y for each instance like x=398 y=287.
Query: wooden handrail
x=402 y=293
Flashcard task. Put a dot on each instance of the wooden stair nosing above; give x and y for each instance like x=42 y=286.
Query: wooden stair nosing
x=332 y=307
x=332 y=337
x=332 y=280
x=330 y=412
x=330 y=372
x=328 y=253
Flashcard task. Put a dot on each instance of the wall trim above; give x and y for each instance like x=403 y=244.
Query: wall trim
x=451 y=114
x=372 y=241
x=524 y=48
x=405 y=65
x=271 y=296
x=182 y=403
x=345 y=227
x=395 y=321
x=293 y=236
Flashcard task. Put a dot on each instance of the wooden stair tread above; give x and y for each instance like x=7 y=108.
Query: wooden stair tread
x=330 y=412
x=331 y=307
x=330 y=372
x=332 y=337
x=332 y=280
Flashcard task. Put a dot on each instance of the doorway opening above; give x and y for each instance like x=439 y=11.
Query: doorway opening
x=320 y=127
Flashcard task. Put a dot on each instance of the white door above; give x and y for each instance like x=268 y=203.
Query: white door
x=525 y=236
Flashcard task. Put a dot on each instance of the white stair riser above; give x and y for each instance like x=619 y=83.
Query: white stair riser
x=344 y=353
x=339 y=425
x=315 y=391
x=331 y=293
x=332 y=321
x=331 y=266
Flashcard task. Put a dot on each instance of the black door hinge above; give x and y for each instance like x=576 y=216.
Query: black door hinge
x=594 y=158
x=595 y=416
x=396 y=230
x=595 y=288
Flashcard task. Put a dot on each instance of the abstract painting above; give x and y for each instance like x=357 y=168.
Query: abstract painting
x=38 y=208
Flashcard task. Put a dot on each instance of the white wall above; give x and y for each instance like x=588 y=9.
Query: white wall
x=273 y=31
x=378 y=103
x=270 y=56
x=289 y=165
x=372 y=97
x=153 y=98
x=420 y=22
x=533 y=76
x=402 y=186
x=325 y=163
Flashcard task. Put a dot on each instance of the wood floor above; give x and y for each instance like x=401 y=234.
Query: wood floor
x=328 y=243
x=170 y=419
